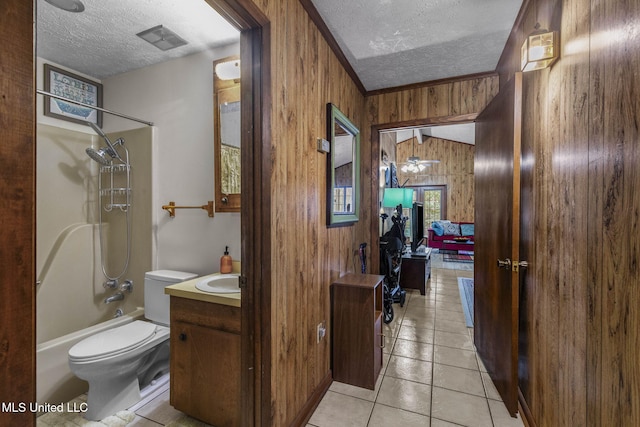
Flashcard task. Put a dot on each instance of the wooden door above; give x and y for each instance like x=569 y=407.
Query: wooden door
x=497 y=217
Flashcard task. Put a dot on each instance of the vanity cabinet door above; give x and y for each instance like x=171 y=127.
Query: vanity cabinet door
x=205 y=364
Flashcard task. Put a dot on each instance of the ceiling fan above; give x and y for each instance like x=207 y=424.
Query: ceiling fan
x=413 y=163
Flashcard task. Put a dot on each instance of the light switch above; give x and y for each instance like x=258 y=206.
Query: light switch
x=323 y=145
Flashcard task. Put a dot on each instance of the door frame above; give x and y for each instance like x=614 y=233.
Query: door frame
x=17 y=212
x=17 y=285
x=255 y=100
x=374 y=227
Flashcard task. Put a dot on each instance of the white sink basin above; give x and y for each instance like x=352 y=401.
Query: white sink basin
x=220 y=284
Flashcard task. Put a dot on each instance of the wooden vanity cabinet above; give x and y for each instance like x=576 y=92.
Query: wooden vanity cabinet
x=205 y=361
x=356 y=329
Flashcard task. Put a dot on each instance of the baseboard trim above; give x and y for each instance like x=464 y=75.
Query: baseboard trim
x=310 y=406
x=525 y=412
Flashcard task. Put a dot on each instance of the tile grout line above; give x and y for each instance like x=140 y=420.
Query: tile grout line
x=433 y=349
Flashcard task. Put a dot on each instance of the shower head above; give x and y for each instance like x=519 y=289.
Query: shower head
x=111 y=150
x=99 y=155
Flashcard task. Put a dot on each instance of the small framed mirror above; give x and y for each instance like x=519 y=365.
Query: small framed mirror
x=343 y=169
x=227 y=149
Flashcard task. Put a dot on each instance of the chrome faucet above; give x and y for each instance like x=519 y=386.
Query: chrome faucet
x=110 y=284
x=118 y=296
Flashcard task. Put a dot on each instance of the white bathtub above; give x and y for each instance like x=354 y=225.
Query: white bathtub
x=54 y=381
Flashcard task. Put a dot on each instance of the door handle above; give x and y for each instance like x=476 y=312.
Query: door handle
x=506 y=264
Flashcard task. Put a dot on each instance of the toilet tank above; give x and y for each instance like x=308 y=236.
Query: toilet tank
x=156 y=302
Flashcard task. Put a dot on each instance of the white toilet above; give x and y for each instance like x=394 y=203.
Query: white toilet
x=117 y=362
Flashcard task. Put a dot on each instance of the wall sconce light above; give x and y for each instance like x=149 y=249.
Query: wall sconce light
x=539 y=50
x=229 y=70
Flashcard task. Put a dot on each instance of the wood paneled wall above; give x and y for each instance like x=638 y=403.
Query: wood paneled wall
x=17 y=211
x=306 y=255
x=455 y=171
x=579 y=302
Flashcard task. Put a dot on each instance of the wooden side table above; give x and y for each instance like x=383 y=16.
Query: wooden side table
x=415 y=271
x=356 y=324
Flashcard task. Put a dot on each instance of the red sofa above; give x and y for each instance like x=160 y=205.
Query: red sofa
x=446 y=241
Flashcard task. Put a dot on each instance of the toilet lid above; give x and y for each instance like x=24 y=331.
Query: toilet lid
x=113 y=341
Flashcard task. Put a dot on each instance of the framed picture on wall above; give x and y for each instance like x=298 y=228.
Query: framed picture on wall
x=71 y=86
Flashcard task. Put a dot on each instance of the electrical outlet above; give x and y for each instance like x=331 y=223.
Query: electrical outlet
x=321 y=332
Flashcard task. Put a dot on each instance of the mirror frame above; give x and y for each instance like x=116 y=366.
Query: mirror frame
x=223 y=91
x=334 y=219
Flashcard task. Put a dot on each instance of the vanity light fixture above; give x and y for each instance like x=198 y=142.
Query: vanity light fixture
x=162 y=37
x=539 y=50
x=228 y=70
x=68 y=5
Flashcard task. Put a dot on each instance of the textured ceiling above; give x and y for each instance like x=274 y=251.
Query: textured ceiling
x=388 y=43
x=102 y=41
x=393 y=43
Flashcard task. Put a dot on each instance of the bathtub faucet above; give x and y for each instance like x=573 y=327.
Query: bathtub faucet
x=118 y=296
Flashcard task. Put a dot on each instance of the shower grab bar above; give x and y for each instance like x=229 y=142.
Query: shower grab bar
x=171 y=208
x=104 y=110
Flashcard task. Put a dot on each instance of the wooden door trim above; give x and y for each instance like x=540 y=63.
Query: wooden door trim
x=17 y=234
x=374 y=228
x=255 y=214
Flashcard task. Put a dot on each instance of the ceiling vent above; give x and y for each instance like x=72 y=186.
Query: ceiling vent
x=162 y=37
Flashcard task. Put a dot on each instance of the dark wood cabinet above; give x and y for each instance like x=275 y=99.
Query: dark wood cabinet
x=415 y=271
x=356 y=329
x=205 y=361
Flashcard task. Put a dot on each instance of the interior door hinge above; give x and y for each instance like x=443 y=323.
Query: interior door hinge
x=243 y=281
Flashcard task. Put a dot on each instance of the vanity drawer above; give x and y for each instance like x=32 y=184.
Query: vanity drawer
x=216 y=316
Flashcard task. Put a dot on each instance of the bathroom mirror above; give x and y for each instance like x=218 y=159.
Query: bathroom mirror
x=227 y=147
x=343 y=169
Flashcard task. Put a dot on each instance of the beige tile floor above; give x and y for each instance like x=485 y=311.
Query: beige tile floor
x=431 y=374
x=153 y=410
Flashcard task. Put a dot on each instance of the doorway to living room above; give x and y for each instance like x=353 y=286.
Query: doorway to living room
x=437 y=163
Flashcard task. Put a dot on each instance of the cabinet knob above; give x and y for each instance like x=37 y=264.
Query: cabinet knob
x=182 y=336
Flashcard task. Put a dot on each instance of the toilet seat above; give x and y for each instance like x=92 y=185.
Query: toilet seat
x=113 y=341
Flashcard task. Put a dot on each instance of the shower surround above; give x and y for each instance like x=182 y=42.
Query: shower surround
x=70 y=294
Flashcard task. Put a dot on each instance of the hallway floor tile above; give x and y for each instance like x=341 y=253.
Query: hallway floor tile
x=431 y=374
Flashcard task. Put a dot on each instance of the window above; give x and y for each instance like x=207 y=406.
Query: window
x=434 y=199
x=340 y=197
x=435 y=206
